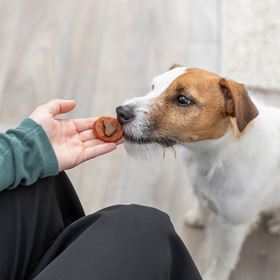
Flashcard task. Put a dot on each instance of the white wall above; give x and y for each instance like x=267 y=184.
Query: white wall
x=204 y=36
x=250 y=46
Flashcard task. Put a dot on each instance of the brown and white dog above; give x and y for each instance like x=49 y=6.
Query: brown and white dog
x=232 y=145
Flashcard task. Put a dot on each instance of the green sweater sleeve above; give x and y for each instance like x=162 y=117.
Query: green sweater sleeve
x=26 y=154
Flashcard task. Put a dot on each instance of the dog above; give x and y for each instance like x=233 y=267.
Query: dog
x=232 y=151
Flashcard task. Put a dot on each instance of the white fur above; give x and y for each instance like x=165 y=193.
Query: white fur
x=240 y=178
x=159 y=84
x=236 y=178
x=143 y=104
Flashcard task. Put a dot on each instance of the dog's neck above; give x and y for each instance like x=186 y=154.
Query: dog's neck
x=211 y=148
x=215 y=147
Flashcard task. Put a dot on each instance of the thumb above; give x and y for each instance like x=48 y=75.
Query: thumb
x=60 y=106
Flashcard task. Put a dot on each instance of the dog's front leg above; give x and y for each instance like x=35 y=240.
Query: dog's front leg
x=197 y=215
x=223 y=247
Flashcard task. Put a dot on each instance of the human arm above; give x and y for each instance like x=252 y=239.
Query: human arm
x=44 y=145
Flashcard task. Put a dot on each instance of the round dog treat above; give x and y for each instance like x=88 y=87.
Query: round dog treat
x=107 y=129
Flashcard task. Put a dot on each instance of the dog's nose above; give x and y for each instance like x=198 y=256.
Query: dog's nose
x=125 y=113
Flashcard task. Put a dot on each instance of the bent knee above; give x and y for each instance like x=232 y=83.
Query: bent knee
x=144 y=218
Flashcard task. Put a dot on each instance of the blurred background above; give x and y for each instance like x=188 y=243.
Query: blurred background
x=102 y=52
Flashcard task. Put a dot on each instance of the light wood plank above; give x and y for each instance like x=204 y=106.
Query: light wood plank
x=101 y=52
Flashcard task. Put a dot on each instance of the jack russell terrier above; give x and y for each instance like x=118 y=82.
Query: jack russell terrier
x=232 y=145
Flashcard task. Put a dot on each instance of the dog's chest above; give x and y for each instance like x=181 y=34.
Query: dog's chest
x=216 y=188
x=207 y=183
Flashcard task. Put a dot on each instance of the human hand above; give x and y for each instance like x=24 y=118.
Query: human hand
x=73 y=140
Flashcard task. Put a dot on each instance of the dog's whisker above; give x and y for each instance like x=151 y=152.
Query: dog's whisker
x=163 y=155
x=174 y=151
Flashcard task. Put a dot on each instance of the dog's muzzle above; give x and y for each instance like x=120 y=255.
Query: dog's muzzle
x=137 y=126
x=135 y=123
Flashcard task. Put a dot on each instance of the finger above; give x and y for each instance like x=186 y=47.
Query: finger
x=120 y=141
x=87 y=135
x=60 y=106
x=84 y=124
x=92 y=143
x=98 y=150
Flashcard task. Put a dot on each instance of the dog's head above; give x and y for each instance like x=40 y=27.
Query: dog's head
x=186 y=105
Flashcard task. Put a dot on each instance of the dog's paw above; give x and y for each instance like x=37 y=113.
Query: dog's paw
x=209 y=276
x=195 y=219
x=273 y=226
x=206 y=277
x=213 y=274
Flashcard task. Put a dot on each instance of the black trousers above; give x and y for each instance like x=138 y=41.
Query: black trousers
x=44 y=234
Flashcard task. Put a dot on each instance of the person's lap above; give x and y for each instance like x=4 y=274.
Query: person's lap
x=30 y=219
x=44 y=234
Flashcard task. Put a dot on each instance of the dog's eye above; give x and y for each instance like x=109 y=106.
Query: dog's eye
x=183 y=100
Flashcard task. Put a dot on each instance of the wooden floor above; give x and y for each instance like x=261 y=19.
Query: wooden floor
x=101 y=52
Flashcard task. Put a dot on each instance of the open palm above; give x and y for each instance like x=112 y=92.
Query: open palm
x=73 y=140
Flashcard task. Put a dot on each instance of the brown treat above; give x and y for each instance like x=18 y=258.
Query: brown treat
x=107 y=129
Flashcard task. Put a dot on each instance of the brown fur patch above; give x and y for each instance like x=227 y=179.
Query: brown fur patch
x=205 y=118
x=242 y=107
x=236 y=132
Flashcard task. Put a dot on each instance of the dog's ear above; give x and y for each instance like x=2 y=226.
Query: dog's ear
x=238 y=103
x=174 y=66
